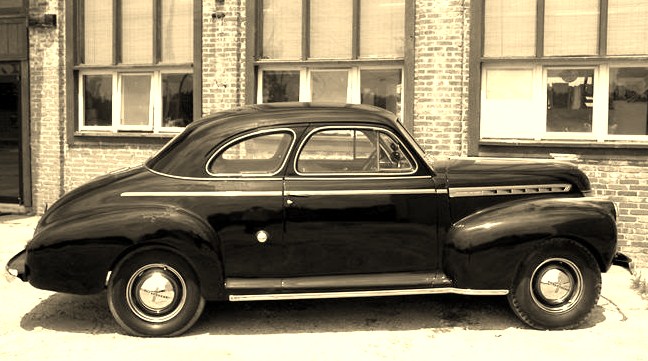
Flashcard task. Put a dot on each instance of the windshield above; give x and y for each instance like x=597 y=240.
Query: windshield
x=428 y=158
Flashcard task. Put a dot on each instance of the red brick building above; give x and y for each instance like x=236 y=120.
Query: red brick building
x=89 y=86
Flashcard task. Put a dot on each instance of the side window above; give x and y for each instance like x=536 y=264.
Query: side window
x=261 y=154
x=352 y=151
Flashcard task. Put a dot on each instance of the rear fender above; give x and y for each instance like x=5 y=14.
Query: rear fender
x=484 y=249
x=75 y=255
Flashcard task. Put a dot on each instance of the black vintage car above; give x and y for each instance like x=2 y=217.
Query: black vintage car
x=296 y=201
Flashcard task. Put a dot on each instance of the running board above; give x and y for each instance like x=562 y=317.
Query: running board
x=380 y=293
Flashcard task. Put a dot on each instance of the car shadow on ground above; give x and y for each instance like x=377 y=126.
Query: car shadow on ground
x=438 y=313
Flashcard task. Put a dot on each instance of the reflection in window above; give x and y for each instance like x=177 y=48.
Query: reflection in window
x=262 y=154
x=329 y=86
x=280 y=86
x=97 y=100
x=570 y=94
x=136 y=99
x=177 y=100
x=382 y=88
x=628 y=113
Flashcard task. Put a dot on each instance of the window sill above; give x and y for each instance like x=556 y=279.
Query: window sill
x=86 y=134
x=585 y=144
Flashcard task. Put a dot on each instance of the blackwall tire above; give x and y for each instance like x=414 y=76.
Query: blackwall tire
x=557 y=286
x=154 y=293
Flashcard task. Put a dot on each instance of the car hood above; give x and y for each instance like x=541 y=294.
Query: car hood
x=477 y=171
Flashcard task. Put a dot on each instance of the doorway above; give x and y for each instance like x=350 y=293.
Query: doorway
x=11 y=190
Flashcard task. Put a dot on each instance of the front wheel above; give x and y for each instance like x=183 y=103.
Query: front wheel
x=154 y=293
x=557 y=286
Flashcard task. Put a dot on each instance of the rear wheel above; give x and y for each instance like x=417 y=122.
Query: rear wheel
x=557 y=286
x=154 y=293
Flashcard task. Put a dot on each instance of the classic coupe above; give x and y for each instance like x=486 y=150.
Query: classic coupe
x=303 y=201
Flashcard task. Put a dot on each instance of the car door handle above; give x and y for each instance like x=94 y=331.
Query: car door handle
x=289 y=202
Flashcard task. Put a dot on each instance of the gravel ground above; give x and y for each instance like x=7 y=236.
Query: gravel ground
x=36 y=324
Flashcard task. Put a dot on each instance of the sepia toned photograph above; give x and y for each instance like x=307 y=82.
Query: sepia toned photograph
x=323 y=179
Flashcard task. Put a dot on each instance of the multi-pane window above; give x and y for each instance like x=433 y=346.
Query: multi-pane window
x=554 y=69
x=134 y=65
x=339 y=51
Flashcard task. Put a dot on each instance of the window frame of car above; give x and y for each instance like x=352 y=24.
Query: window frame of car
x=343 y=127
x=244 y=137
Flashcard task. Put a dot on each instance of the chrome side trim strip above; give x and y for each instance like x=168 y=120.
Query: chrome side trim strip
x=509 y=190
x=387 y=280
x=357 y=192
x=205 y=194
x=348 y=178
x=381 y=293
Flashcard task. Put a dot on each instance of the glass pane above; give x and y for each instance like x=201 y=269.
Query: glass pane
x=339 y=151
x=282 y=28
x=627 y=27
x=137 y=32
x=628 y=112
x=329 y=86
x=571 y=27
x=331 y=23
x=382 y=88
x=97 y=100
x=505 y=109
x=97 y=37
x=136 y=97
x=392 y=158
x=382 y=28
x=177 y=100
x=263 y=154
x=510 y=28
x=177 y=31
x=280 y=86
x=570 y=94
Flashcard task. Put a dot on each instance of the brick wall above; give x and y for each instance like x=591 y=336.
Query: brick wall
x=441 y=76
x=223 y=45
x=46 y=76
x=624 y=180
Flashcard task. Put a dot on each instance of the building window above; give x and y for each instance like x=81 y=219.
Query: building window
x=335 y=51
x=135 y=65
x=578 y=78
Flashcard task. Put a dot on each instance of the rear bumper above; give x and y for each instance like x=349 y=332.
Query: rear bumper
x=624 y=261
x=17 y=266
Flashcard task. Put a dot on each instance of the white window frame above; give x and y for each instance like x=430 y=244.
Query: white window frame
x=154 y=124
x=538 y=114
x=305 y=75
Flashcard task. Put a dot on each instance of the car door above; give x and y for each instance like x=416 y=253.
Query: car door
x=245 y=207
x=357 y=201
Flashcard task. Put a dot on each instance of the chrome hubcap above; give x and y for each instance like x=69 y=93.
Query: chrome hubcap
x=556 y=285
x=156 y=293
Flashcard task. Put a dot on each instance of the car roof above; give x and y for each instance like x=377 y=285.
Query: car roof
x=201 y=138
x=273 y=114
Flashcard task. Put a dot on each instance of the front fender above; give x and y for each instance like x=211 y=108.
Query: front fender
x=74 y=255
x=484 y=249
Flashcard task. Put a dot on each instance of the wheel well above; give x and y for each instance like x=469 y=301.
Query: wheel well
x=205 y=267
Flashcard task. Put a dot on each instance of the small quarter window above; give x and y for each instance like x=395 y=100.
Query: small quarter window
x=261 y=154
x=353 y=151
